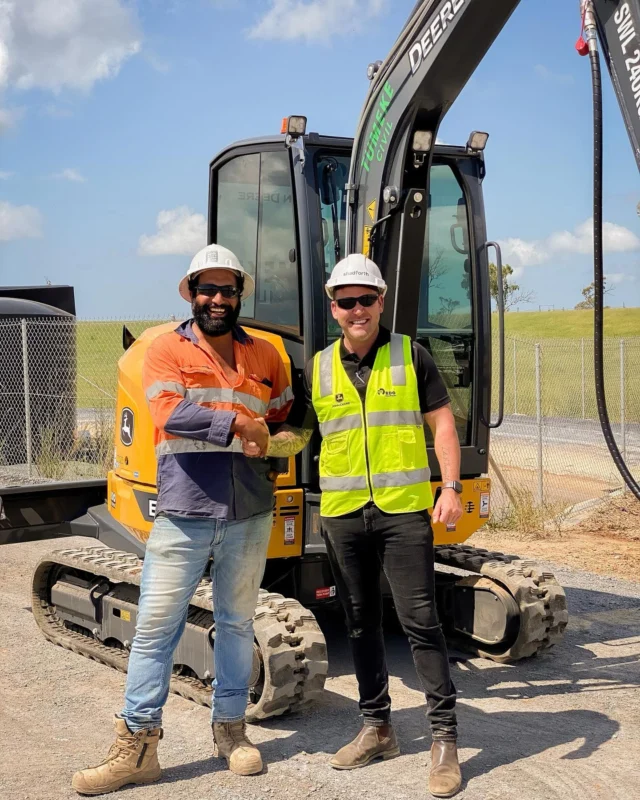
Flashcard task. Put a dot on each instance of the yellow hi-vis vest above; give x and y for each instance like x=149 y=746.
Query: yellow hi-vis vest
x=377 y=452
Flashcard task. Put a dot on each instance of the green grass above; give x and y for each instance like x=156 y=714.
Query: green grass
x=618 y=322
x=99 y=346
x=562 y=378
x=563 y=337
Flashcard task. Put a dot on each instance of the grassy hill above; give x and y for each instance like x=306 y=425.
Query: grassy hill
x=618 y=322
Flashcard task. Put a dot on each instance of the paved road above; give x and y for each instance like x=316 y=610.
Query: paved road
x=566 y=725
x=574 y=432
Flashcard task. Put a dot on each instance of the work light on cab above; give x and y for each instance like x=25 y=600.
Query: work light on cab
x=422 y=141
x=477 y=141
x=294 y=126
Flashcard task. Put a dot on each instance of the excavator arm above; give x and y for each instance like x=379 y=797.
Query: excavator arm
x=436 y=53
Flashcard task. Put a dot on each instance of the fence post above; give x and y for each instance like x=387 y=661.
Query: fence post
x=539 y=421
x=623 y=434
x=583 y=382
x=27 y=394
x=515 y=380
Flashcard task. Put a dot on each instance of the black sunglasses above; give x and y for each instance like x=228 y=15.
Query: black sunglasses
x=365 y=300
x=211 y=290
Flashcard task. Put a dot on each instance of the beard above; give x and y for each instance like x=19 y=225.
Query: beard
x=215 y=326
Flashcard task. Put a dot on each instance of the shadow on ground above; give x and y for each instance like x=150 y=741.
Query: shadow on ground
x=600 y=653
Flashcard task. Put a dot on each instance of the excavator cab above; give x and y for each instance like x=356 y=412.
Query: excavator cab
x=282 y=207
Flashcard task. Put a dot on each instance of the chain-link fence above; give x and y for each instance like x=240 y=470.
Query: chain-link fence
x=58 y=383
x=550 y=453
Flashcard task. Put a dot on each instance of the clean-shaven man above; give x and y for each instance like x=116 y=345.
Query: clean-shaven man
x=370 y=393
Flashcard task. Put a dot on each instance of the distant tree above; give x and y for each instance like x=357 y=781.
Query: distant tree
x=588 y=295
x=448 y=305
x=512 y=292
x=436 y=268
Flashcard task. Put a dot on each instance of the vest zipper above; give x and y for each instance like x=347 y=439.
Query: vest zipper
x=366 y=436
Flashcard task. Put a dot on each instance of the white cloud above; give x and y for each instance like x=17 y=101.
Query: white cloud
x=8 y=116
x=315 y=20
x=616 y=278
x=53 y=44
x=180 y=232
x=615 y=239
x=4 y=176
x=70 y=175
x=547 y=74
x=521 y=253
x=19 y=222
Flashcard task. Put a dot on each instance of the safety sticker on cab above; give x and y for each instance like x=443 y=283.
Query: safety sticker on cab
x=289 y=530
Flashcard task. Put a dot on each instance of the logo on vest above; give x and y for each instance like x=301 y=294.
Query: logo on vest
x=339 y=398
x=384 y=393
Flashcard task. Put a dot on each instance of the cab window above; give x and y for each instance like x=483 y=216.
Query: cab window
x=445 y=312
x=255 y=219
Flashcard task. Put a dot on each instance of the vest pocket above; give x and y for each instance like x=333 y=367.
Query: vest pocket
x=407 y=445
x=335 y=458
x=396 y=451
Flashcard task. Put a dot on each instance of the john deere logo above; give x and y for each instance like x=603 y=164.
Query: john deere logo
x=339 y=398
x=385 y=393
x=126 y=427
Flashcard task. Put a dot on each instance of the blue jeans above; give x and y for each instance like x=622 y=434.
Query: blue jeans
x=175 y=560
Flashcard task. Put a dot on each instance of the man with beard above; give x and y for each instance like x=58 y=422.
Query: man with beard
x=209 y=385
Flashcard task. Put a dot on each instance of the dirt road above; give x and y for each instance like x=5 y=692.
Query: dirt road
x=566 y=725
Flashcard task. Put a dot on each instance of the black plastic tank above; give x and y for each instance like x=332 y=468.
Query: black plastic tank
x=37 y=384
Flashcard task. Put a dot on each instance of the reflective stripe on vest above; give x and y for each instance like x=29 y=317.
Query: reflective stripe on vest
x=377 y=452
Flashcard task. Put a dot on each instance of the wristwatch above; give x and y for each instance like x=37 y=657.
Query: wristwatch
x=455 y=485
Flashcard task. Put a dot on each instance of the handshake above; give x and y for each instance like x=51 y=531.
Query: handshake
x=254 y=434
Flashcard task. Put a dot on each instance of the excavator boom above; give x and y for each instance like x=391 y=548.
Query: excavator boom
x=436 y=53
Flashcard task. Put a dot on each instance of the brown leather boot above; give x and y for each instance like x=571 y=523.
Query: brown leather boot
x=445 y=778
x=133 y=758
x=373 y=741
x=230 y=742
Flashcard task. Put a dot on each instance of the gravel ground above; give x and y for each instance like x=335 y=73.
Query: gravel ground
x=566 y=725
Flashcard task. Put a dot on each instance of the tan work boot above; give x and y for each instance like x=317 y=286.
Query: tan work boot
x=230 y=742
x=373 y=741
x=445 y=778
x=132 y=758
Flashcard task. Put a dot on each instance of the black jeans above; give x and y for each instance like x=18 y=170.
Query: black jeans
x=359 y=544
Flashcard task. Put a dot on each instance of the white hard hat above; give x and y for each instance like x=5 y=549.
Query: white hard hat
x=214 y=256
x=356 y=270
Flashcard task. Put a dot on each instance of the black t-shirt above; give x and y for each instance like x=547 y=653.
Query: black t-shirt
x=431 y=389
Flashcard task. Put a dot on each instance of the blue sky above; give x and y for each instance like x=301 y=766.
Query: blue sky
x=110 y=111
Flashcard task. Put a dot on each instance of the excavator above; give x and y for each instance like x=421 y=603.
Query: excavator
x=290 y=206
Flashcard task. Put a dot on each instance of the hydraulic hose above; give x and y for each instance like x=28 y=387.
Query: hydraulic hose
x=598 y=275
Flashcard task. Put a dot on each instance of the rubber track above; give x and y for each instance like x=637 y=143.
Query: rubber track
x=539 y=596
x=292 y=646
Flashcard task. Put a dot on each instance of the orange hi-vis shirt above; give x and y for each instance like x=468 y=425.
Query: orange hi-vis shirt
x=201 y=469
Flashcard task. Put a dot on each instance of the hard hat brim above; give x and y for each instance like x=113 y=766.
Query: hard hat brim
x=382 y=290
x=249 y=283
